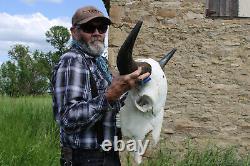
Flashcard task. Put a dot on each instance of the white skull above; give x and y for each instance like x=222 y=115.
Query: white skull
x=144 y=107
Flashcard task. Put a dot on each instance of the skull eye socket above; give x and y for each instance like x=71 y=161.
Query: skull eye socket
x=144 y=103
x=141 y=102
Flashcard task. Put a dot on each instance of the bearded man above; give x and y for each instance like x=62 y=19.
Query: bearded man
x=86 y=98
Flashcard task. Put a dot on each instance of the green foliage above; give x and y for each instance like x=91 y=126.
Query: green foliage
x=58 y=36
x=19 y=76
x=9 y=78
x=29 y=73
x=44 y=63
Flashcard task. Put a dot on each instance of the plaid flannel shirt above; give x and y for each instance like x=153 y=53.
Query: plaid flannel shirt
x=75 y=110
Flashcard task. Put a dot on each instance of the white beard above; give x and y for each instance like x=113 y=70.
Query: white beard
x=95 y=47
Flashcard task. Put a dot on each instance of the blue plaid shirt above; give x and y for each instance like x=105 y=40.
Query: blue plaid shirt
x=75 y=109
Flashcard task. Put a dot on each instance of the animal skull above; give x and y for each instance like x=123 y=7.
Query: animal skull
x=144 y=106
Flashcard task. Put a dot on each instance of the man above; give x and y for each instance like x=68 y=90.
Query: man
x=85 y=97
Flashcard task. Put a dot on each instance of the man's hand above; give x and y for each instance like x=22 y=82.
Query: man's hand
x=121 y=84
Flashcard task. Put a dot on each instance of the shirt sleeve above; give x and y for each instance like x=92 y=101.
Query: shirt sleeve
x=76 y=108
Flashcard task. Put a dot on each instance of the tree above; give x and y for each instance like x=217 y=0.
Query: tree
x=58 y=36
x=44 y=62
x=20 y=76
x=29 y=73
x=9 y=79
x=20 y=56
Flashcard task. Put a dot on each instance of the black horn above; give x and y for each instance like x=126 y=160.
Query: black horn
x=125 y=62
x=166 y=58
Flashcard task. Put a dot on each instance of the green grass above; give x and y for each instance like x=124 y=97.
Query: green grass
x=211 y=156
x=28 y=134
x=30 y=137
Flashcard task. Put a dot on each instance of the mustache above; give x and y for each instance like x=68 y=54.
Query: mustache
x=95 y=39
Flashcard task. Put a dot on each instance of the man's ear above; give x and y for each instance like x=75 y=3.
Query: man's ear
x=74 y=32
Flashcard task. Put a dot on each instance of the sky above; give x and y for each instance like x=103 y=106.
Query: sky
x=26 y=21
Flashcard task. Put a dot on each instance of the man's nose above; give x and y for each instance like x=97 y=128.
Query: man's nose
x=96 y=32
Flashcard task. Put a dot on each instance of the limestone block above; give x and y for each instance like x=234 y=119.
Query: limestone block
x=164 y=12
x=117 y=37
x=116 y=13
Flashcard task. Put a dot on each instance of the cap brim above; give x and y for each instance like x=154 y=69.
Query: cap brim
x=98 y=18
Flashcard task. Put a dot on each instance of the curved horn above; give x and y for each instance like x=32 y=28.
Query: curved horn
x=125 y=62
x=166 y=58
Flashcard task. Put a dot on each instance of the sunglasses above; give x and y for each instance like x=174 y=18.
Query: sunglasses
x=90 y=28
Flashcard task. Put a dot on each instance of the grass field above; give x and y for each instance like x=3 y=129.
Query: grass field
x=30 y=137
x=28 y=134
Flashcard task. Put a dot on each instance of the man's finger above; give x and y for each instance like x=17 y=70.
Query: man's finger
x=143 y=76
x=136 y=73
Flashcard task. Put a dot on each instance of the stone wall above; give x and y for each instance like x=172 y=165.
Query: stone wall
x=209 y=75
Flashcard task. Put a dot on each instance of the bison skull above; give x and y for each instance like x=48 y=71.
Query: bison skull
x=144 y=106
